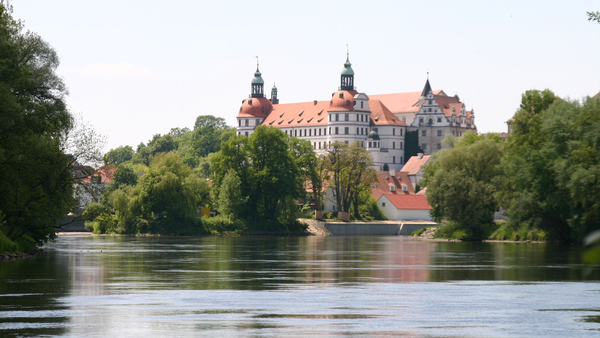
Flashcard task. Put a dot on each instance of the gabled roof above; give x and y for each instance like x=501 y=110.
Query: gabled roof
x=448 y=102
x=414 y=164
x=381 y=115
x=384 y=180
x=106 y=174
x=399 y=103
x=426 y=88
x=287 y=115
x=413 y=202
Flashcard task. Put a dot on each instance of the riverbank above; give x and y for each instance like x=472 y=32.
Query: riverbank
x=19 y=255
x=428 y=235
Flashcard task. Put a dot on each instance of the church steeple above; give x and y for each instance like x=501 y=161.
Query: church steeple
x=274 y=99
x=427 y=87
x=347 y=75
x=257 y=83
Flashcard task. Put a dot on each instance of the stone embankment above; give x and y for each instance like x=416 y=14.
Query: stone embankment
x=427 y=234
x=315 y=228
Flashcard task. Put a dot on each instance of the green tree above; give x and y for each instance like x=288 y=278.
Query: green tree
x=39 y=145
x=230 y=196
x=268 y=173
x=124 y=175
x=463 y=181
x=118 y=155
x=352 y=168
x=553 y=171
x=594 y=16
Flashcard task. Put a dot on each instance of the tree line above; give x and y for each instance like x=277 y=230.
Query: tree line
x=44 y=148
x=254 y=183
x=546 y=175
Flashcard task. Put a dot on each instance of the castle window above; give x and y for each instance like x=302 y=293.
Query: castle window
x=401 y=144
x=341 y=95
x=383 y=204
x=337 y=117
x=420 y=120
x=336 y=130
x=257 y=122
x=357 y=130
x=429 y=109
x=370 y=144
x=361 y=104
x=346 y=142
x=439 y=119
x=246 y=134
x=424 y=146
x=401 y=128
x=439 y=133
x=394 y=159
x=262 y=109
x=319 y=145
x=347 y=116
x=393 y=145
x=300 y=132
x=239 y=123
x=423 y=132
x=329 y=130
x=247 y=122
x=314 y=145
x=309 y=132
x=346 y=130
x=319 y=133
x=295 y=133
x=393 y=131
x=439 y=146
x=347 y=102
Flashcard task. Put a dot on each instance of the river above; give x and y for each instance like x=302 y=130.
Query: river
x=296 y=287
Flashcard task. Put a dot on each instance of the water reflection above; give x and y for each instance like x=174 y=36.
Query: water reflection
x=241 y=286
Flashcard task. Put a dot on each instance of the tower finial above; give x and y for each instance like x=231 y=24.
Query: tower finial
x=347 y=50
x=427 y=73
x=257 y=62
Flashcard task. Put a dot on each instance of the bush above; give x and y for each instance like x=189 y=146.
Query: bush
x=6 y=245
x=453 y=230
x=524 y=233
x=328 y=215
x=418 y=232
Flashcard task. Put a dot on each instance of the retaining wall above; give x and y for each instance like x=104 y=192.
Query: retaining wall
x=379 y=229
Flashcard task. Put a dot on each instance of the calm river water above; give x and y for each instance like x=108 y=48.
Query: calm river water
x=298 y=286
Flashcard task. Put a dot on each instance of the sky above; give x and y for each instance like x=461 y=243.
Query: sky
x=139 y=68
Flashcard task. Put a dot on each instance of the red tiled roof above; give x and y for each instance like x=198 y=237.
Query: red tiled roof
x=401 y=102
x=106 y=175
x=255 y=107
x=298 y=114
x=409 y=201
x=384 y=180
x=448 y=102
x=381 y=115
x=414 y=164
x=342 y=100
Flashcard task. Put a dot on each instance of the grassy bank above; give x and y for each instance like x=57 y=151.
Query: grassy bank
x=495 y=231
x=219 y=225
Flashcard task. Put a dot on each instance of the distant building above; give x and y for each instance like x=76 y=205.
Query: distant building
x=414 y=168
x=90 y=189
x=378 y=122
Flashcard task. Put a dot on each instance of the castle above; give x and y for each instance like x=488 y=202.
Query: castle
x=378 y=122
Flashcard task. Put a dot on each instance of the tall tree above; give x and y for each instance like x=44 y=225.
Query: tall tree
x=463 y=181
x=118 y=155
x=351 y=167
x=40 y=141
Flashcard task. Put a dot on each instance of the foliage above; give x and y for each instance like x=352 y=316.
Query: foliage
x=594 y=16
x=41 y=144
x=368 y=209
x=352 y=169
x=231 y=200
x=552 y=163
x=463 y=181
x=124 y=175
x=268 y=174
x=453 y=230
x=418 y=232
x=507 y=232
x=118 y=155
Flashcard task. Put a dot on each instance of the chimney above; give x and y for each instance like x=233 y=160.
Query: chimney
x=420 y=155
x=392 y=172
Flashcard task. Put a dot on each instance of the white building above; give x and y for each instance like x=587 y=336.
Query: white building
x=350 y=116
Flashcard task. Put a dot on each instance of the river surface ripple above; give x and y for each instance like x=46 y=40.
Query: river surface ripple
x=297 y=287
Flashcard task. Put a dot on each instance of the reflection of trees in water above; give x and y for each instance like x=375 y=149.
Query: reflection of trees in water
x=507 y=261
x=33 y=286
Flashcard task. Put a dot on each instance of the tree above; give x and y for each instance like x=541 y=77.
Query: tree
x=41 y=143
x=267 y=170
x=118 y=155
x=230 y=196
x=463 y=181
x=553 y=170
x=124 y=175
x=351 y=167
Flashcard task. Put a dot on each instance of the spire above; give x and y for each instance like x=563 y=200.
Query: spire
x=427 y=87
x=257 y=83
x=274 y=99
x=347 y=74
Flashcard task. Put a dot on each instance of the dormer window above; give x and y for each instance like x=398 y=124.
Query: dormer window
x=262 y=109
x=341 y=95
x=347 y=102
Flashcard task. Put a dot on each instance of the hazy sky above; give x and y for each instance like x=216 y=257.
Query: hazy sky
x=137 y=68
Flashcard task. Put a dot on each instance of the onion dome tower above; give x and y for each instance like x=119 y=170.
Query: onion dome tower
x=347 y=75
x=257 y=84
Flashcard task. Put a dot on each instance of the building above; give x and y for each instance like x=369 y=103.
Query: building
x=414 y=168
x=350 y=116
x=91 y=187
x=405 y=207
